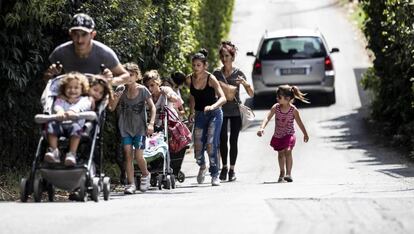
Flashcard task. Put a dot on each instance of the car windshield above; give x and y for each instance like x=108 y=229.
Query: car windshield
x=292 y=48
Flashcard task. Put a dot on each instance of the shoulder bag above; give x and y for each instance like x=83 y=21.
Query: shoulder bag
x=246 y=114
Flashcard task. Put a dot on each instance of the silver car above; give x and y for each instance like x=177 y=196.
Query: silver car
x=296 y=57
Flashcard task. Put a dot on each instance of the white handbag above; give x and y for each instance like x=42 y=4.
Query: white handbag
x=247 y=116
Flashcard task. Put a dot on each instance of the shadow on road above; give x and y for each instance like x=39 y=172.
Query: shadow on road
x=357 y=133
x=271 y=182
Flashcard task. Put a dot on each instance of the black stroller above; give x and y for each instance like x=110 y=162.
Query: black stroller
x=86 y=176
x=164 y=166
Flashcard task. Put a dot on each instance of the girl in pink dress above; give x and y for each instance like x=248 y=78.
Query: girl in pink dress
x=284 y=139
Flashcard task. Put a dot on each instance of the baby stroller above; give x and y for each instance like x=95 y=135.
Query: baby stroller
x=85 y=177
x=164 y=166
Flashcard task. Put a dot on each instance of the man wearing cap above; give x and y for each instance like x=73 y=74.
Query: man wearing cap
x=85 y=55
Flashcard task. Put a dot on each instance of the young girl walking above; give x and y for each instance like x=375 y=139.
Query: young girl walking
x=132 y=124
x=284 y=139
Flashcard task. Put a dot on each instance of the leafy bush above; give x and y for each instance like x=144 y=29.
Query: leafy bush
x=390 y=34
x=25 y=43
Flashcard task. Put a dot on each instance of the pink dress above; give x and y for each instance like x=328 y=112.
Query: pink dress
x=284 y=135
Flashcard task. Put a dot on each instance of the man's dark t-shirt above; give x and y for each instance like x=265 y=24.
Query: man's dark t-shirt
x=100 y=54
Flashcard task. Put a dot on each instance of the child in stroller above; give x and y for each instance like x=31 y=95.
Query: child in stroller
x=69 y=102
x=63 y=97
x=166 y=103
x=164 y=158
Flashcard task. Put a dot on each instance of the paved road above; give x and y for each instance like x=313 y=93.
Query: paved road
x=344 y=181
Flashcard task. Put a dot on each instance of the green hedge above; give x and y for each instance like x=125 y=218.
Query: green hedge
x=25 y=42
x=390 y=34
x=157 y=34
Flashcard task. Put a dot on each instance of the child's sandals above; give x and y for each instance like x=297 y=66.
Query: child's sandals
x=288 y=178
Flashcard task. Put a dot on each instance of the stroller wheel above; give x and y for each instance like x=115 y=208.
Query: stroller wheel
x=50 y=192
x=23 y=190
x=168 y=182
x=153 y=181
x=173 y=181
x=106 y=187
x=37 y=189
x=82 y=190
x=95 y=189
x=159 y=181
x=181 y=176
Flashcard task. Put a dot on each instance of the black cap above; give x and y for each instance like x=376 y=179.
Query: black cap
x=82 y=22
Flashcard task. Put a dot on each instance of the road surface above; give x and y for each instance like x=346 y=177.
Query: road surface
x=344 y=180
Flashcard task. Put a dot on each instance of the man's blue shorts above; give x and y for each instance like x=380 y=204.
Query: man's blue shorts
x=137 y=141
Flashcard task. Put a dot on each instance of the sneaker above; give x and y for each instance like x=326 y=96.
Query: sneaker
x=52 y=156
x=232 y=175
x=288 y=178
x=201 y=175
x=223 y=174
x=280 y=180
x=70 y=159
x=130 y=189
x=215 y=181
x=145 y=183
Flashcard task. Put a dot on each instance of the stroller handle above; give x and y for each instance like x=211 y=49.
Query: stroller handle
x=87 y=115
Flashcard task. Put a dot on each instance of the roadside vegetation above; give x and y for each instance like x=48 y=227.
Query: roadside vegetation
x=355 y=12
x=153 y=33
x=389 y=29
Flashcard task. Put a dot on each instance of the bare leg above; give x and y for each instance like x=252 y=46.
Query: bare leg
x=289 y=162
x=142 y=164
x=53 y=141
x=129 y=168
x=74 y=143
x=282 y=162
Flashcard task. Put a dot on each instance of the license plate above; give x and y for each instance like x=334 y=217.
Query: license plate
x=293 y=71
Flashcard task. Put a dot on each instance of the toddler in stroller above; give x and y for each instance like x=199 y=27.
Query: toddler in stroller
x=165 y=151
x=63 y=97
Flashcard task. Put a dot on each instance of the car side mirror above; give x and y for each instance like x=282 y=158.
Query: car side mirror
x=334 y=50
x=250 y=54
